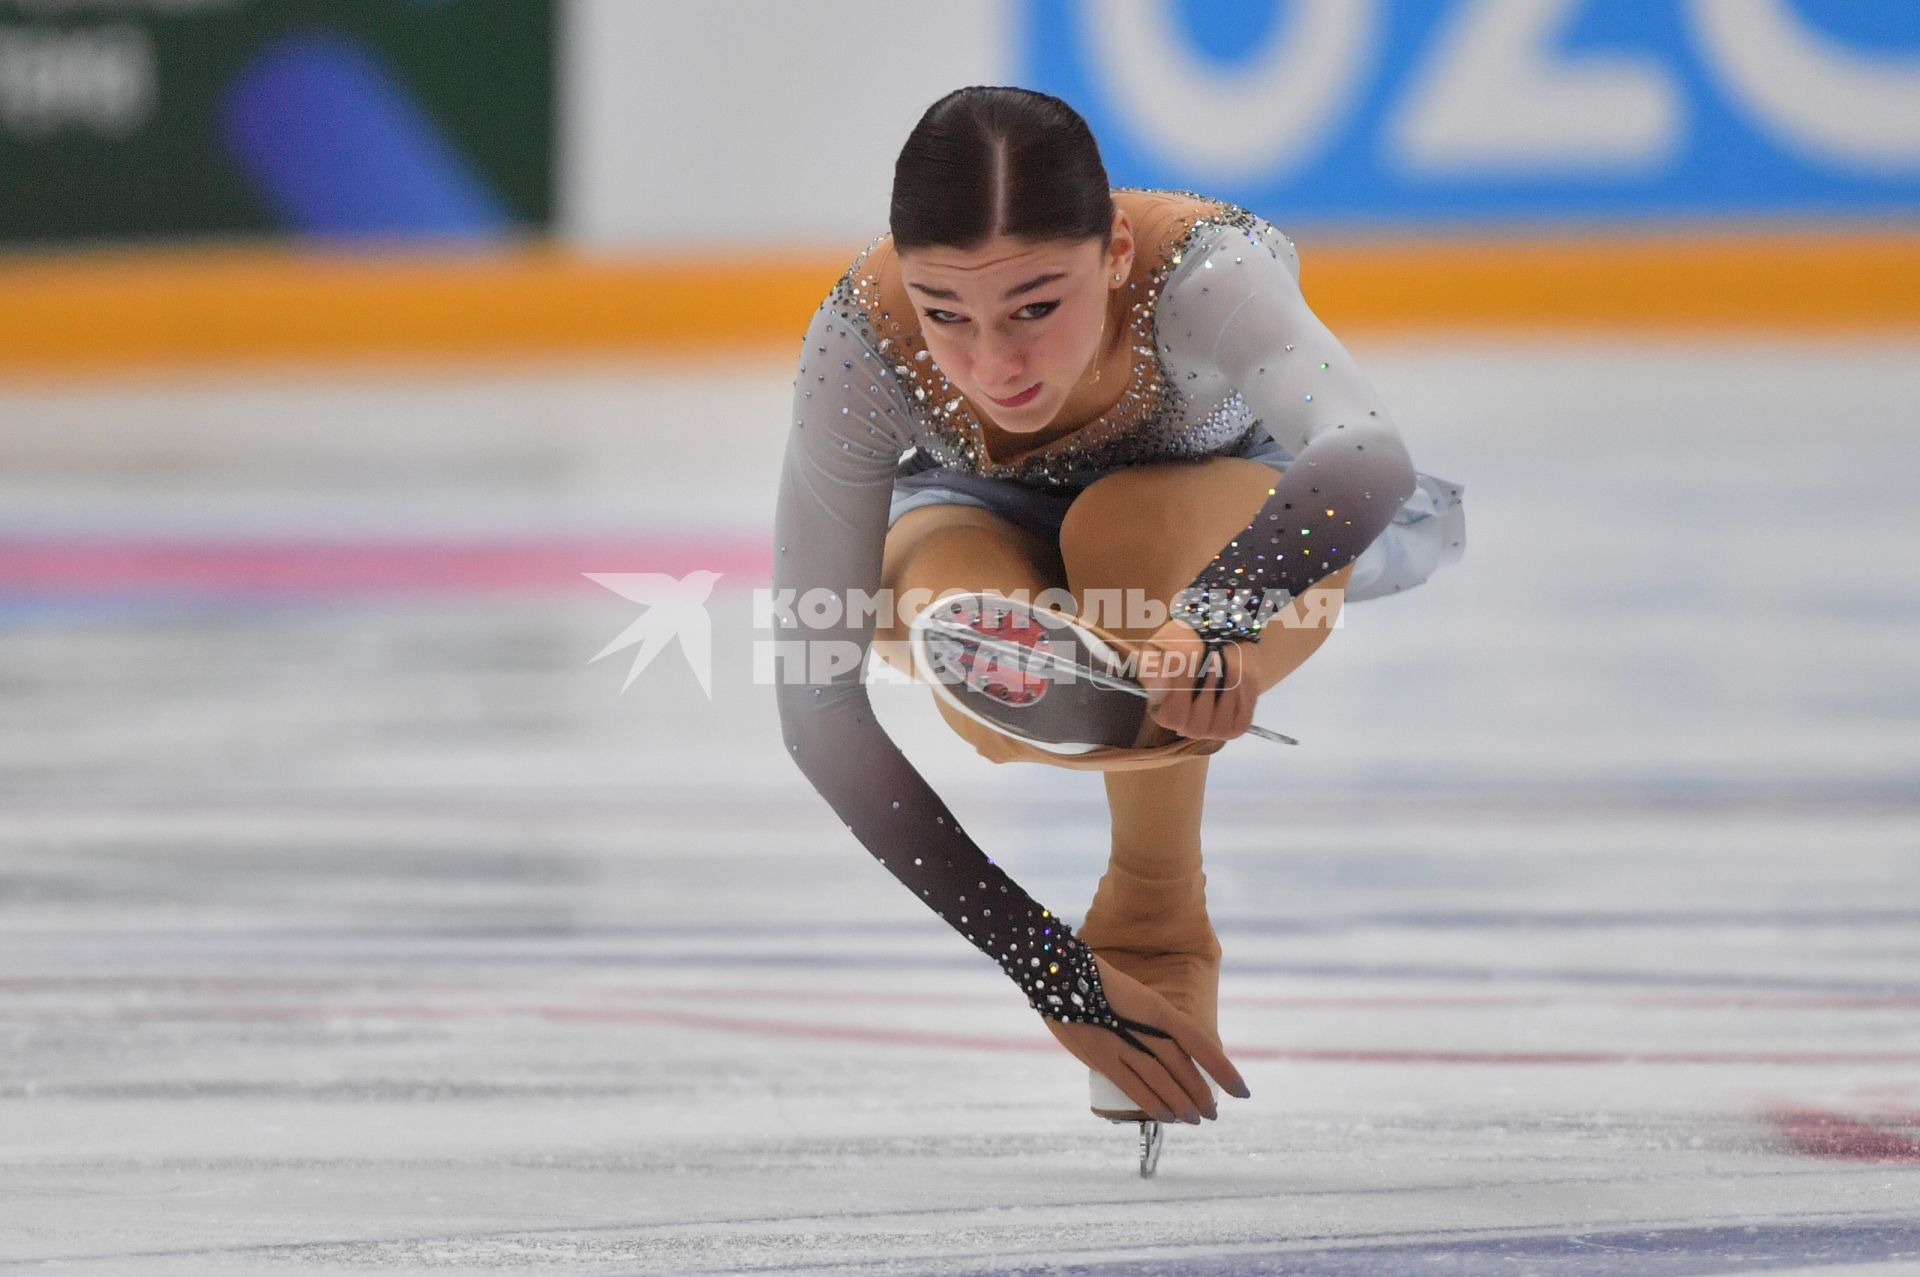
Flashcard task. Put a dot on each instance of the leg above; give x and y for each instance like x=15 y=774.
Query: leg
x=1149 y=913
x=1153 y=528
x=947 y=548
x=943 y=549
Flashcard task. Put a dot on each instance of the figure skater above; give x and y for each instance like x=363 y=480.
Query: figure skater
x=1038 y=383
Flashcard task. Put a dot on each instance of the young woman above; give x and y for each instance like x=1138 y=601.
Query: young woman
x=1036 y=382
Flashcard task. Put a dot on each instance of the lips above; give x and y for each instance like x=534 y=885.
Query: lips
x=1025 y=396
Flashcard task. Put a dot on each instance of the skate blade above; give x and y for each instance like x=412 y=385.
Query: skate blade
x=1108 y=1100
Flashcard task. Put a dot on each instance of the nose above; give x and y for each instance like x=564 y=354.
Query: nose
x=998 y=363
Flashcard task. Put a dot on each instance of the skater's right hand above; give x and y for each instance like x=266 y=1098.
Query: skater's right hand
x=1179 y=670
x=1166 y=1083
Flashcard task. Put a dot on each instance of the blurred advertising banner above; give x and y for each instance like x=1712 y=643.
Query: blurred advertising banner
x=151 y=119
x=1402 y=111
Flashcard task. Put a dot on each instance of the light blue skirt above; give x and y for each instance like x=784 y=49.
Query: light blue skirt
x=1427 y=532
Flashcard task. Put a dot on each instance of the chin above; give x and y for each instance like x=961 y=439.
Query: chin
x=1024 y=420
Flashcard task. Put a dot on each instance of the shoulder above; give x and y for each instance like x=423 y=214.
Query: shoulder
x=1200 y=233
x=869 y=291
x=853 y=306
x=854 y=382
x=870 y=299
x=1185 y=231
x=1230 y=276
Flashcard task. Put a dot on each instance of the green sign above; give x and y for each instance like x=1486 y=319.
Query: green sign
x=140 y=119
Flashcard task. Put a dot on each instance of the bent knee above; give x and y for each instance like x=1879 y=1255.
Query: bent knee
x=956 y=550
x=1160 y=519
x=1115 y=517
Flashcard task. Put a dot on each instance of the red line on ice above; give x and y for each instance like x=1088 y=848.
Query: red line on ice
x=1849 y=1137
x=301 y=566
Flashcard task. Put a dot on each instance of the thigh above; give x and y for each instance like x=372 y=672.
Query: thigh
x=1152 y=528
x=946 y=548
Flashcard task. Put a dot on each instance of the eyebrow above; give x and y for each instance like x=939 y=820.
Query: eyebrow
x=949 y=295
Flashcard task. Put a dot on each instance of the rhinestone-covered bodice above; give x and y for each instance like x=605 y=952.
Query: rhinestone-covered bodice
x=1221 y=342
x=1158 y=417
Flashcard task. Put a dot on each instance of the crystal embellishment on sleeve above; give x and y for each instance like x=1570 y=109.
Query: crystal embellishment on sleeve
x=1348 y=470
x=1070 y=990
x=1226 y=612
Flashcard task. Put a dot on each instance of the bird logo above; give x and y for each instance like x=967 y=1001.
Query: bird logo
x=676 y=608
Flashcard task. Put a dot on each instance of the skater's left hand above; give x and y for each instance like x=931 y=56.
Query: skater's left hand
x=1172 y=697
x=1164 y=1079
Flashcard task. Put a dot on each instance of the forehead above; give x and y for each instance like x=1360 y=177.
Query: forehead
x=994 y=262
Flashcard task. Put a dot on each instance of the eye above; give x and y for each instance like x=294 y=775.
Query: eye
x=1032 y=310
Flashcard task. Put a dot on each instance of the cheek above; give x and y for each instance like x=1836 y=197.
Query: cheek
x=1065 y=346
x=951 y=356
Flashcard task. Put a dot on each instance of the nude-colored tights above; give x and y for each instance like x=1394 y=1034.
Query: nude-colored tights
x=1150 y=528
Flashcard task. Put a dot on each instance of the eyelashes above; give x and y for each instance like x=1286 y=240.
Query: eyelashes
x=948 y=317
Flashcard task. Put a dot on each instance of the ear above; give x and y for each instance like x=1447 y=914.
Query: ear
x=1120 y=250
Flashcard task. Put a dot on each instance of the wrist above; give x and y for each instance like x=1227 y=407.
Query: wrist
x=1217 y=613
x=1065 y=985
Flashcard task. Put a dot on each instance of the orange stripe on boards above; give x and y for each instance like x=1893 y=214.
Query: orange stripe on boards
x=1729 y=281
x=120 y=310
x=130 y=310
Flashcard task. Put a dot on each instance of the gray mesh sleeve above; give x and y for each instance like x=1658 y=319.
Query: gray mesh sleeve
x=1247 y=322
x=850 y=427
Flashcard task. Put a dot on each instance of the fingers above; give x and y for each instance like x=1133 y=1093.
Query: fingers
x=1123 y=1075
x=1190 y=709
x=1162 y=1082
x=1183 y=1074
x=1178 y=1069
x=1233 y=707
x=1171 y=711
x=1155 y=1091
x=1244 y=692
x=1218 y=705
x=1215 y=678
x=1208 y=1052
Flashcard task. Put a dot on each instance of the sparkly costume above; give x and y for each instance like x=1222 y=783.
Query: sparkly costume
x=1223 y=345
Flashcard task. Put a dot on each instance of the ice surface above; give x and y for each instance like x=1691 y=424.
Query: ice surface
x=351 y=921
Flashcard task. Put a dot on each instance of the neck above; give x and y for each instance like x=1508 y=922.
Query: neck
x=1094 y=396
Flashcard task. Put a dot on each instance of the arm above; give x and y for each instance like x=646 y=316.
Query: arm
x=1244 y=319
x=849 y=429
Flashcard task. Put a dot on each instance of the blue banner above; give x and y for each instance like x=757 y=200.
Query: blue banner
x=1407 y=111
